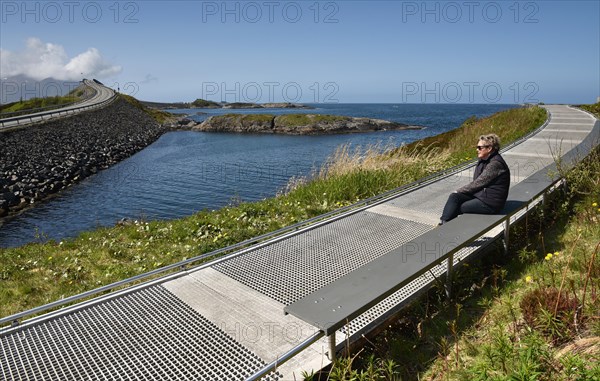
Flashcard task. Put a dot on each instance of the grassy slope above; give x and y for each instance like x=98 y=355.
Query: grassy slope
x=36 y=274
x=36 y=103
x=159 y=116
x=593 y=108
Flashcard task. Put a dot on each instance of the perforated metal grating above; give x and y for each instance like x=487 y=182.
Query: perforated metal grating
x=289 y=270
x=409 y=291
x=146 y=335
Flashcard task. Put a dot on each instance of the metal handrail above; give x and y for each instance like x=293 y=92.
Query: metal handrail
x=286 y=356
x=267 y=238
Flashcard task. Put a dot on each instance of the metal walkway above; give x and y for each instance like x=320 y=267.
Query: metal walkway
x=225 y=321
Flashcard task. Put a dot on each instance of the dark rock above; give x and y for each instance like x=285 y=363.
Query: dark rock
x=286 y=105
x=238 y=105
x=7 y=197
x=124 y=222
x=14 y=201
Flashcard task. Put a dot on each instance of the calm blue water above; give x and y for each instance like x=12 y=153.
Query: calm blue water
x=184 y=172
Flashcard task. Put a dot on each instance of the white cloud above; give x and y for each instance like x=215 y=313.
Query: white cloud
x=42 y=60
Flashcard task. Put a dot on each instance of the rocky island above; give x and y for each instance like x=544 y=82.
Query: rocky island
x=202 y=103
x=240 y=105
x=297 y=124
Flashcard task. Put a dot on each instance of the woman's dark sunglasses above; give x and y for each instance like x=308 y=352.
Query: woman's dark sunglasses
x=482 y=147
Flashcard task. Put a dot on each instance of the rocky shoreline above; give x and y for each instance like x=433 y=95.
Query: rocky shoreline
x=297 y=124
x=38 y=161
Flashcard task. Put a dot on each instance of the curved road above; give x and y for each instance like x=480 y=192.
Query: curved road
x=103 y=96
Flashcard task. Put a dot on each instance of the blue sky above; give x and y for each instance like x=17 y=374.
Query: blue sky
x=314 y=51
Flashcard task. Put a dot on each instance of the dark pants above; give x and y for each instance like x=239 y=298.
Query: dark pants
x=460 y=203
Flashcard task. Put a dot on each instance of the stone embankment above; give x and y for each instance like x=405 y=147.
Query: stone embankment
x=297 y=124
x=38 y=161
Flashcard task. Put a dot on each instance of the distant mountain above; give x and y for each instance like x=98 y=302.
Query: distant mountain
x=12 y=89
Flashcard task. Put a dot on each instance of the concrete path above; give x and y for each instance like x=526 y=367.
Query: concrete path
x=226 y=321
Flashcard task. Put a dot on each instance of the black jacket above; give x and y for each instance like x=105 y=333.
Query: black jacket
x=491 y=181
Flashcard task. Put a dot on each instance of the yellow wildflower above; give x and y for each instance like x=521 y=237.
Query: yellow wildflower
x=595 y=204
x=548 y=256
x=528 y=279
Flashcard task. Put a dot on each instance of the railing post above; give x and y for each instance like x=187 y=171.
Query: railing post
x=506 y=234
x=449 y=276
x=332 y=347
x=544 y=200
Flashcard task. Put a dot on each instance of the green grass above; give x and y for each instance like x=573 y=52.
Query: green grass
x=508 y=125
x=253 y=118
x=37 y=274
x=291 y=120
x=593 y=108
x=158 y=115
x=37 y=103
x=243 y=119
x=200 y=103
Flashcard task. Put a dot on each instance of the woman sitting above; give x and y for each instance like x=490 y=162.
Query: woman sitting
x=488 y=191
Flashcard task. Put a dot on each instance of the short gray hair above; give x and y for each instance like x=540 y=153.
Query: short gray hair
x=491 y=139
